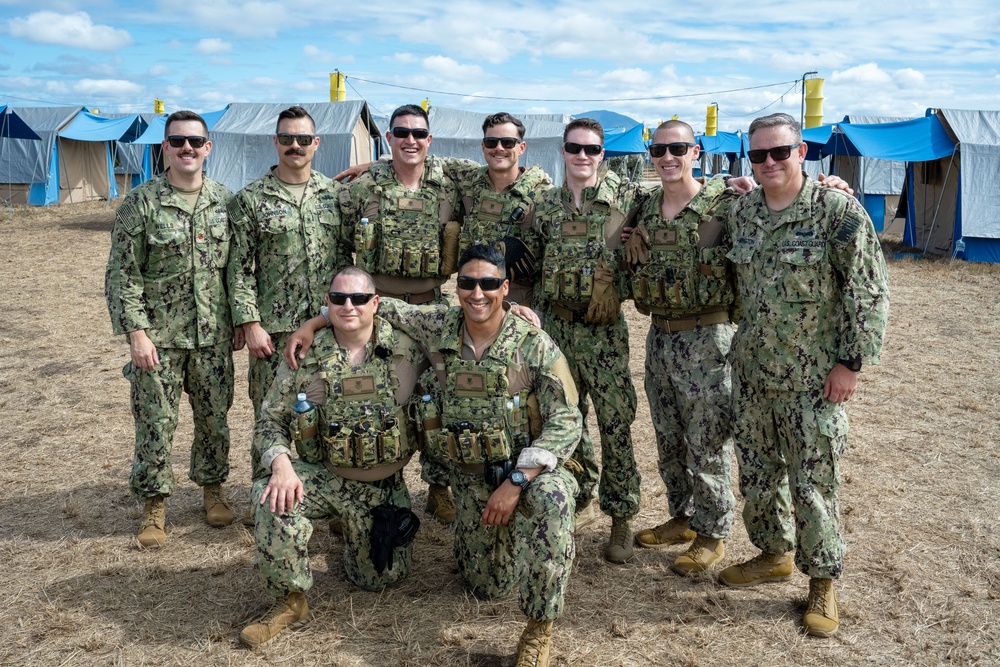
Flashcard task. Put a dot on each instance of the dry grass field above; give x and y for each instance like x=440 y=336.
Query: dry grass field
x=921 y=501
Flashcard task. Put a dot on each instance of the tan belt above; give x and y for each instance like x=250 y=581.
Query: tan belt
x=687 y=324
x=567 y=314
x=472 y=468
x=371 y=474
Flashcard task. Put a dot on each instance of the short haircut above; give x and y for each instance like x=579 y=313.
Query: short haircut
x=409 y=110
x=778 y=120
x=487 y=253
x=356 y=271
x=291 y=113
x=502 y=118
x=672 y=124
x=180 y=117
x=584 y=124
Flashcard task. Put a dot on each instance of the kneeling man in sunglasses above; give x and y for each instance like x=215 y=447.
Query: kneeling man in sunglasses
x=345 y=410
x=506 y=422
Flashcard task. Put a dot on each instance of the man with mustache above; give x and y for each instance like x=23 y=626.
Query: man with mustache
x=288 y=242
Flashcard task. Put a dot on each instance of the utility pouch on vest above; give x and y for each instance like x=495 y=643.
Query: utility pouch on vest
x=305 y=432
x=389 y=443
x=339 y=445
x=365 y=447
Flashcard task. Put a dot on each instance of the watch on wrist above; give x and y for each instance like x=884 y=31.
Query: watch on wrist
x=518 y=478
x=852 y=364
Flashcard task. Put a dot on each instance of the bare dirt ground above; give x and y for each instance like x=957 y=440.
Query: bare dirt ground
x=920 y=499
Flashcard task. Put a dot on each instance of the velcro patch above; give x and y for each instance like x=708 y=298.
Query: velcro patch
x=848 y=229
x=128 y=217
x=574 y=228
x=469 y=384
x=491 y=206
x=665 y=236
x=411 y=204
x=358 y=385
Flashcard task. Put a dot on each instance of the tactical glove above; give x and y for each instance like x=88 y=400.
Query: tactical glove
x=520 y=261
x=604 y=302
x=637 y=246
x=449 y=248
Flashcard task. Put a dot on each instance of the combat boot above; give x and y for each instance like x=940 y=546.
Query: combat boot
x=217 y=511
x=585 y=515
x=440 y=503
x=290 y=612
x=675 y=531
x=151 y=533
x=619 y=549
x=762 y=569
x=703 y=553
x=822 y=617
x=533 y=647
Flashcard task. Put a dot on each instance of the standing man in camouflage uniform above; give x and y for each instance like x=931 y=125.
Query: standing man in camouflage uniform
x=399 y=214
x=499 y=200
x=289 y=241
x=581 y=288
x=166 y=288
x=815 y=300
x=352 y=447
x=683 y=279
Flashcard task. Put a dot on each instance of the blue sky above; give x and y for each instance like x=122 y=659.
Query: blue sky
x=646 y=60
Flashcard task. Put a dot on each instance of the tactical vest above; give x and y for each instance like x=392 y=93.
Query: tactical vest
x=360 y=425
x=403 y=234
x=486 y=213
x=483 y=418
x=687 y=272
x=576 y=243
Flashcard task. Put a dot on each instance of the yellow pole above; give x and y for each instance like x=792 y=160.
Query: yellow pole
x=425 y=104
x=814 y=102
x=712 y=120
x=338 y=92
x=158 y=106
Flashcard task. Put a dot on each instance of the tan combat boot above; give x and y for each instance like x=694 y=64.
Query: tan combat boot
x=762 y=569
x=822 y=617
x=151 y=533
x=533 y=647
x=217 y=511
x=290 y=612
x=440 y=503
x=619 y=549
x=585 y=515
x=703 y=553
x=672 y=532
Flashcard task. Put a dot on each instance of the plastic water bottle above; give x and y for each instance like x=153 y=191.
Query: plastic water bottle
x=960 y=245
x=302 y=405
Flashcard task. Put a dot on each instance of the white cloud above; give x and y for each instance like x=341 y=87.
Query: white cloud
x=212 y=45
x=73 y=30
x=403 y=58
x=869 y=74
x=158 y=70
x=316 y=54
x=451 y=69
x=107 y=87
x=909 y=78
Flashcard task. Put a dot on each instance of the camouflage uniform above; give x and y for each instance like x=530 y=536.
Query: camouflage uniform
x=573 y=241
x=814 y=290
x=401 y=244
x=167 y=274
x=688 y=382
x=335 y=483
x=486 y=214
x=535 y=551
x=287 y=252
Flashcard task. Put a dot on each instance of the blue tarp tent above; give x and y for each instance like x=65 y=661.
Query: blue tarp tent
x=94 y=139
x=12 y=127
x=726 y=145
x=30 y=169
x=622 y=135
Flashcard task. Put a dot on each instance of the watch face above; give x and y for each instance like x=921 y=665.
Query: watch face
x=517 y=477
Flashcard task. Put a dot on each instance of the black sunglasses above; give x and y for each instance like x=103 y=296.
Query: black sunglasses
x=589 y=149
x=506 y=142
x=486 y=284
x=177 y=141
x=300 y=139
x=358 y=298
x=778 y=153
x=404 y=132
x=678 y=149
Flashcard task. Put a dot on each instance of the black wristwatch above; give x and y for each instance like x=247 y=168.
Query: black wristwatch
x=852 y=364
x=520 y=479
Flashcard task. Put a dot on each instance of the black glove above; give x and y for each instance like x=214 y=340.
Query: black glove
x=521 y=262
x=392 y=527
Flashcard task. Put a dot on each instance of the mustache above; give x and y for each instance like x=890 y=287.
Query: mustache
x=295 y=151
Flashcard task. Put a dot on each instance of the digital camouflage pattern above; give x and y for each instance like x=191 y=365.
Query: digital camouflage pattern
x=168 y=273
x=282 y=541
x=688 y=377
x=573 y=242
x=814 y=290
x=536 y=550
x=286 y=252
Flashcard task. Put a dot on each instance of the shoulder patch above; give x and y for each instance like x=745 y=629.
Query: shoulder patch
x=848 y=229
x=127 y=216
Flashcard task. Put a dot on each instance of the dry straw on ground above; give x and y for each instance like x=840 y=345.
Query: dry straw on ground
x=920 y=500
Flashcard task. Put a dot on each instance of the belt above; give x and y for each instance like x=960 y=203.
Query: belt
x=687 y=324
x=471 y=468
x=418 y=299
x=568 y=314
x=379 y=472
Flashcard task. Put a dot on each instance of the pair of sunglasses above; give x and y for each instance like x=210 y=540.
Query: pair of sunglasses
x=778 y=153
x=177 y=141
x=300 y=139
x=486 y=284
x=589 y=149
x=677 y=149
x=357 y=298
x=403 y=132
x=506 y=142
